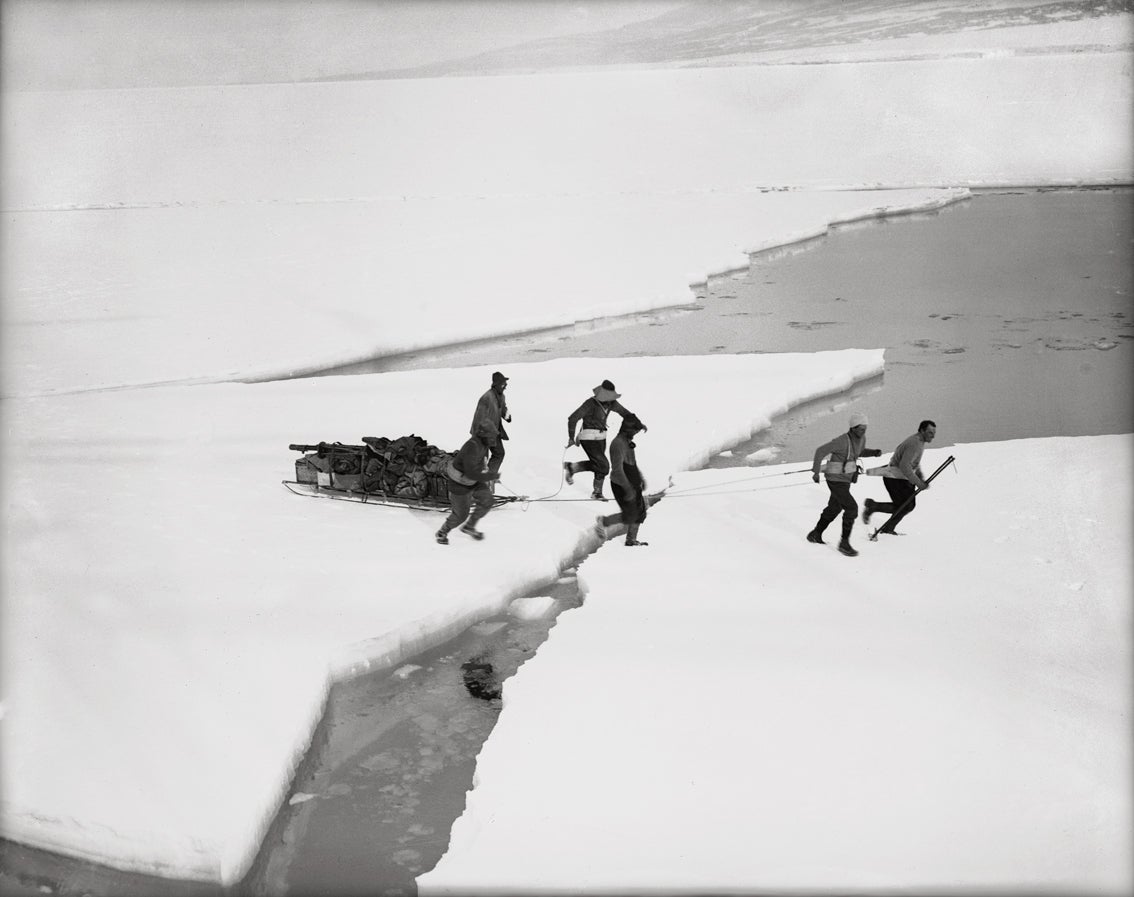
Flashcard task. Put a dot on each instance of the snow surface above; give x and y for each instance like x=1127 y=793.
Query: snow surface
x=734 y=707
x=172 y=616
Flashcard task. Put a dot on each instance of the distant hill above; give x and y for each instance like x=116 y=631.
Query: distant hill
x=701 y=32
x=81 y=44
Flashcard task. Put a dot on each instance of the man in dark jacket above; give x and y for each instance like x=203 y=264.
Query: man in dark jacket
x=491 y=412
x=902 y=478
x=468 y=485
x=841 y=470
x=626 y=480
x=592 y=437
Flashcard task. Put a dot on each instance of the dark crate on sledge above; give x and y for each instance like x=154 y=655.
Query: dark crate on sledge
x=349 y=482
x=306 y=471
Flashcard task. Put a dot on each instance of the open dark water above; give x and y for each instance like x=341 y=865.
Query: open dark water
x=1006 y=316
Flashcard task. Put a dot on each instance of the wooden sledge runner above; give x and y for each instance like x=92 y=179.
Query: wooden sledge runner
x=314 y=490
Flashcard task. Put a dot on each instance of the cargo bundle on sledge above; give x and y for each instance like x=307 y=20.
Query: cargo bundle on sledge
x=407 y=471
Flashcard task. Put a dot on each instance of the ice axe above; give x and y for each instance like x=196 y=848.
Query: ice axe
x=874 y=535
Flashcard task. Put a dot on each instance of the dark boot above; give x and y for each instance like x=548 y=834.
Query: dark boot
x=844 y=542
x=569 y=472
x=867 y=510
x=469 y=529
x=442 y=537
x=632 y=536
x=816 y=536
x=597 y=491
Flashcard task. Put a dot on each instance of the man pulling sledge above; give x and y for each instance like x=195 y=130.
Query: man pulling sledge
x=902 y=478
x=626 y=480
x=592 y=437
x=841 y=470
x=469 y=477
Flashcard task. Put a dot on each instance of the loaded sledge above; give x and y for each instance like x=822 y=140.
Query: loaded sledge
x=406 y=472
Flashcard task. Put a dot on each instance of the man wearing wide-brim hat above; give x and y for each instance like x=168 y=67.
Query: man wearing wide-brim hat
x=591 y=438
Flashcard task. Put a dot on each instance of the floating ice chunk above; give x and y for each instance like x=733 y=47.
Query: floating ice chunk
x=727 y=453
x=404 y=672
x=769 y=453
x=1064 y=344
x=487 y=628
x=531 y=608
x=299 y=797
x=1104 y=343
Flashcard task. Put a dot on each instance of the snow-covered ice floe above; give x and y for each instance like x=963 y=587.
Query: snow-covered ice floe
x=249 y=295
x=173 y=615
x=650 y=182
x=948 y=710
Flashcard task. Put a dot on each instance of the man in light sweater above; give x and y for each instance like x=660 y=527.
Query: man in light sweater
x=903 y=479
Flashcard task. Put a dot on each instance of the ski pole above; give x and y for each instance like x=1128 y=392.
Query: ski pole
x=874 y=535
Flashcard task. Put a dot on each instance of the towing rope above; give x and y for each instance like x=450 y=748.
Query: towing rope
x=526 y=501
x=739 y=491
x=680 y=493
x=562 y=481
x=766 y=476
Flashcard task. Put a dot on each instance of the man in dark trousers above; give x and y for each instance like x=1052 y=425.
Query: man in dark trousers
x=902 y=478
x=626 y=480
x=469 y=477
x=592 y=437
x=841 y=470
x=491 y=412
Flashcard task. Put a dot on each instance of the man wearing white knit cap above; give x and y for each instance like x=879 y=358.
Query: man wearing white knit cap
x=841 y=470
